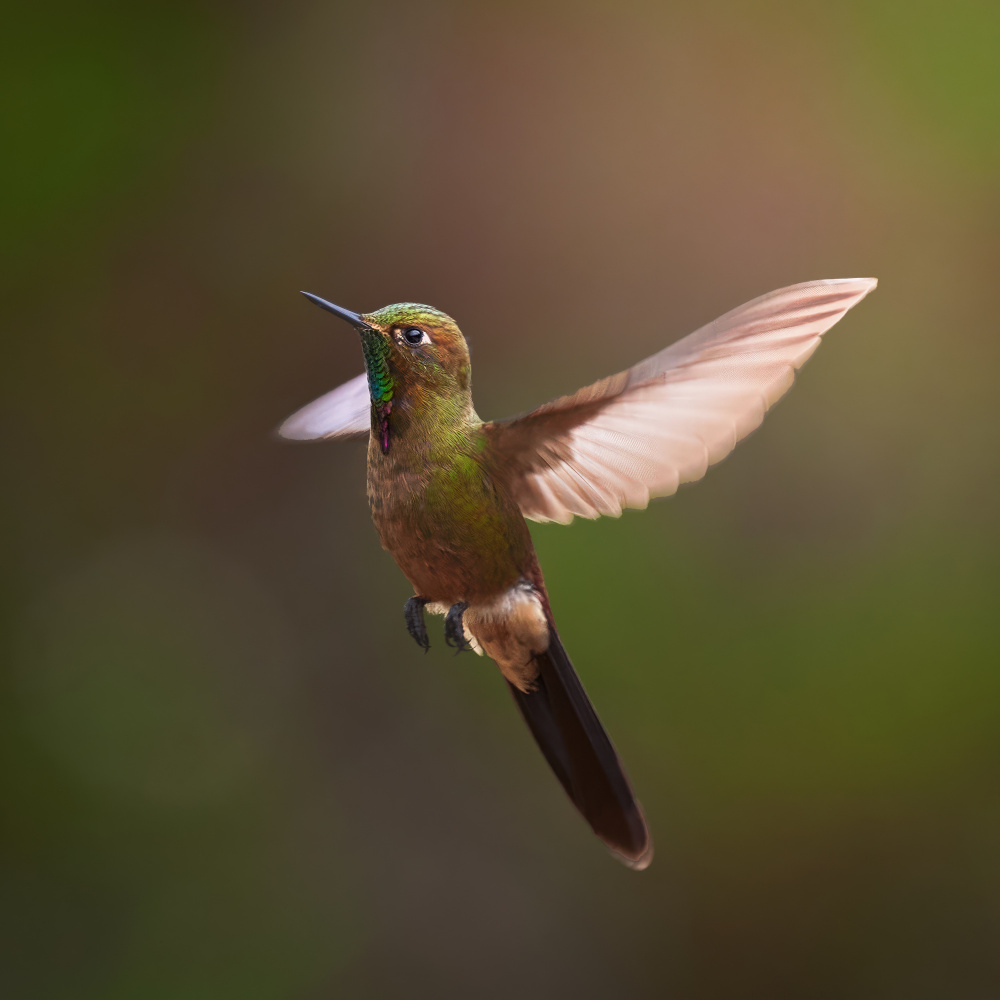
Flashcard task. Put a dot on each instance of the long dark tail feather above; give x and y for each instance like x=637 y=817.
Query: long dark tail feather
x=571 y=737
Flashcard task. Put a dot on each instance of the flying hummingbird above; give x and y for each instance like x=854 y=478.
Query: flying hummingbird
x=449 y=493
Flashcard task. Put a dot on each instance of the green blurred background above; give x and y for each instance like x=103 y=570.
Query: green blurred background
x=225 y=769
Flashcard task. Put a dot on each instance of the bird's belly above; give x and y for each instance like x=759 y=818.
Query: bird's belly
x=470 y=546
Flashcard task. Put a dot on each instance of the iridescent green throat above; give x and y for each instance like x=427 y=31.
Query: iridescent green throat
x=380 y=383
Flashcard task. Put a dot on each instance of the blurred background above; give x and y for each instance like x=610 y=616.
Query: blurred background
x=225 y=769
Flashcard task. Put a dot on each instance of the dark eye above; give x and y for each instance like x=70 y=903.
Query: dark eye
x=414 y=335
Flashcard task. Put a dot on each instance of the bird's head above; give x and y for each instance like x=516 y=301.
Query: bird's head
x=412 y=352
x=417 y=362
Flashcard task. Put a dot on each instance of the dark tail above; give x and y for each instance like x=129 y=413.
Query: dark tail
x=566 y=727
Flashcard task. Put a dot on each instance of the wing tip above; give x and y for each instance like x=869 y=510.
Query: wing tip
x=865 y=284
x=341 y=412
x=852 y=291
x=859 y=287
x=293 y=430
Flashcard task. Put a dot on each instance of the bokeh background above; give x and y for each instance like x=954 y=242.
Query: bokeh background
x=225 y=770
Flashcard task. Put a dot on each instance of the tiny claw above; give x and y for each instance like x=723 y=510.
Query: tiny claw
x=454 y=627
x=413 y=612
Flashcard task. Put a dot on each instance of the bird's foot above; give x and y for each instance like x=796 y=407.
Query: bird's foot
x=454 y=628
x=415 y=624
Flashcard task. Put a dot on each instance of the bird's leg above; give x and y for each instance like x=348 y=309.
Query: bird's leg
x=454 y=629
x=415 y=624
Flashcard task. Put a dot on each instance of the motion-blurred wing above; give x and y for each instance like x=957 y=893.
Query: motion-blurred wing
x=342 y=413
x=640 y=433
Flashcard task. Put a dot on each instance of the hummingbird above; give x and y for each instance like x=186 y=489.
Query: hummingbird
x=450 y=493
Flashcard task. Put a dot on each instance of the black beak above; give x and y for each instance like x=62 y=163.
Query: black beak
x=353 y=318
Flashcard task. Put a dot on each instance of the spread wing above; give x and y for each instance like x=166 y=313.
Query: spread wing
x=344 y=412
x=640 y=433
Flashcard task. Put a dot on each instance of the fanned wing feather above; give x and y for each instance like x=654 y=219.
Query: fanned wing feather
x=344 y=412
x=640 y=433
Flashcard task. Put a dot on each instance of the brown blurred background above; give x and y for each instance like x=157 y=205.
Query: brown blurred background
x=225 y=769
